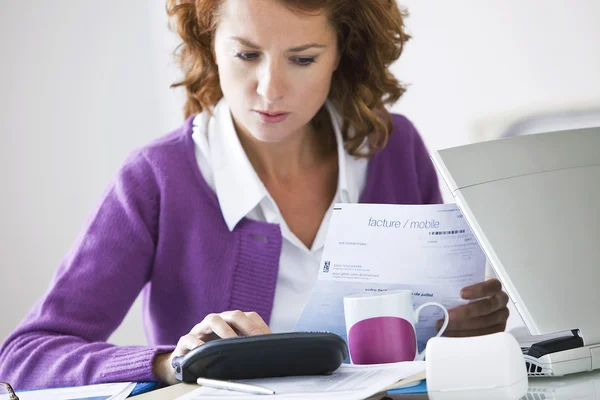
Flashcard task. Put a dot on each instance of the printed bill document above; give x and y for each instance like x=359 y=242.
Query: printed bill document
x=428 y=249
x=347 y=382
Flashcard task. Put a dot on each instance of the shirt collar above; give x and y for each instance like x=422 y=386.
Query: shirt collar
x=344 y=189
x=237 y=185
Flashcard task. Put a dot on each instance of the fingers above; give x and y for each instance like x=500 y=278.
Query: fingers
x=222 y=325
x=479 y=308
x=497 y=317
x=226 y=324
x=488 y=314
x=248 y=324
x=257 y=319
x=481 y=289
x=187 y=343
x=213 y=324
x=477 y=332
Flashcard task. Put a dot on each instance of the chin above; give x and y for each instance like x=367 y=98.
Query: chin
x=265 y=136
x=271 y=133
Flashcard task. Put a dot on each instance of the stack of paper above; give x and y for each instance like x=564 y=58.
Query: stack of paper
x=347 y=382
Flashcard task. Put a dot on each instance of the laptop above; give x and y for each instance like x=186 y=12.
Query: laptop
x=533 y=203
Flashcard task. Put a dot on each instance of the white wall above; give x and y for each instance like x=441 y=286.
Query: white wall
x=84 y=82
x=81 y=86
x=476 y=65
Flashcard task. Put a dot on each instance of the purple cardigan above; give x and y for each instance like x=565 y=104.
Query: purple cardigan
x=159 y=229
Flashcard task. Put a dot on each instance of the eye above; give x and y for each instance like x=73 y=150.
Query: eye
x=303 y=61
x=247 y=56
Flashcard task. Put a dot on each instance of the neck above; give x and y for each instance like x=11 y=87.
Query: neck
x=283 y=161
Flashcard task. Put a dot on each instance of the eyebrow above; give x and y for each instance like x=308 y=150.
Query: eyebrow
x=292 y=50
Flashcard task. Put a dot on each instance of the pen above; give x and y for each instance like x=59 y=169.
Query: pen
x=234 y=386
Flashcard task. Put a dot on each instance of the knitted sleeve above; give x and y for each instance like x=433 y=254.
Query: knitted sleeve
x=427 y=176
x=62 y=341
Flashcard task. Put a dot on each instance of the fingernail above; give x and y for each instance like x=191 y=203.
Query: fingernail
x=465 y=293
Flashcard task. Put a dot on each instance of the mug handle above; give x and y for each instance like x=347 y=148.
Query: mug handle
x=421 y=356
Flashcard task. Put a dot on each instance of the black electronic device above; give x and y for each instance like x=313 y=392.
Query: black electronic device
x=263 y=356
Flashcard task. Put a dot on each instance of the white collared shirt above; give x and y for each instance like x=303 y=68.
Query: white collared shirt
x=227 y=170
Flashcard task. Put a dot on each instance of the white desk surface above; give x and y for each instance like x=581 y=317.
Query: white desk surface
x=582 y=386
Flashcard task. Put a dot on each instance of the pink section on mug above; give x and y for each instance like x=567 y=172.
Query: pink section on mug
x=382 y=340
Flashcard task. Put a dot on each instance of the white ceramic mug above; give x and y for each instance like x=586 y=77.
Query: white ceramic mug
x=381 y=326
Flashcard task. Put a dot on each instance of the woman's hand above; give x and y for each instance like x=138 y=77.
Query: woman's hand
x=484 y=316
x=225 y=325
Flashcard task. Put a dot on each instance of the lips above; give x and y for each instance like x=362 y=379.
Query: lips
x=272 y=117
x=271 y=113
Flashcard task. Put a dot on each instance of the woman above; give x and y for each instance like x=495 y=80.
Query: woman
x=221 y=223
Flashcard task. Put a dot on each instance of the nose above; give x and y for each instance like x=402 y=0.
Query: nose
x=271 y=83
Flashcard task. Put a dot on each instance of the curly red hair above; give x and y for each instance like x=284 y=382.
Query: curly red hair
x=371 y=35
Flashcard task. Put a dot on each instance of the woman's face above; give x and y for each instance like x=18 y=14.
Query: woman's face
x=275 y=66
